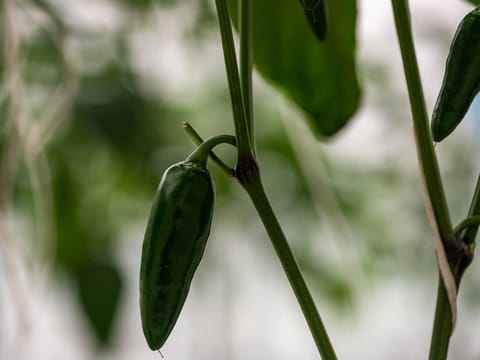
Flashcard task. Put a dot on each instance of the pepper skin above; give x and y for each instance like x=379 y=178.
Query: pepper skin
x=175 y=238
x=461 y=81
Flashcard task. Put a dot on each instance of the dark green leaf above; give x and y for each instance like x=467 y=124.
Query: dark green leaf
x=474 y=2
x=316 y=14
x=72 y=238
x=99 y=289
x=318 y=77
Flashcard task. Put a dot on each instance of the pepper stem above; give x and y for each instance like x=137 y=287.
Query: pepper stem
x=199 y=156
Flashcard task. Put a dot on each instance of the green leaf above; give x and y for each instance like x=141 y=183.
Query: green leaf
x=474 y=2
x=316 y=15
x=319 y=77
x=99 y=290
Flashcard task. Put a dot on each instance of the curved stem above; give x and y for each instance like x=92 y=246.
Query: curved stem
x=197 y=139
x=471 y=233
x=200 y=154
x=467 y=223
x=259 y=198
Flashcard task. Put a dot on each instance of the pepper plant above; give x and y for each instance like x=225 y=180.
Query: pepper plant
x=79 y=180
x=329 y=106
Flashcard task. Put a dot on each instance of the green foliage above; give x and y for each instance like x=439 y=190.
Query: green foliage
x=319 y=77
x=72 y=236
x=316 y=14
x=102 y=161
x=109 y=155
x=110 y=107
x=99 y=283
x=327 y=281
x=100 y=288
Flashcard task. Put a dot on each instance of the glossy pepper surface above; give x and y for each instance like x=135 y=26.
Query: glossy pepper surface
x=461 y=81
x=177 y=231
x=175 y=238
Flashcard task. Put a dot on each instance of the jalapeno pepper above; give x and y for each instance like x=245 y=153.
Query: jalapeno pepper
x=461 y=81
x=177 y=230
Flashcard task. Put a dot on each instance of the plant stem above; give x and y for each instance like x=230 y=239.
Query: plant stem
x=246 y=170
x=442 y=326
x=238 y=107
x=257 y=195
x=471 y=233
x=197 y=139
x=426 y=154
x=245 y=30
x=468 y=223
x=435 y=200
x=202 y=152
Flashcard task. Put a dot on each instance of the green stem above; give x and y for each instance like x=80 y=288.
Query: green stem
x=470 y=222
x=246 y=170
x=238 y=107
x=246 y=62
x=197 y=139
x=471 y=233
x=200 y=154
x=427 y=159
x=442 y=326
x=257 y=194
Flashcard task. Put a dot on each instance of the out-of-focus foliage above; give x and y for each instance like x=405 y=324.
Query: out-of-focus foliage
x=110 y=150
x=316 y=15
x=319 y=77
x=102 y=168
x=108 y=153
x=100 y=163
x=100 y=287
x=474 y=2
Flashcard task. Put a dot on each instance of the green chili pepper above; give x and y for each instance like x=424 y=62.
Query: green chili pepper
x=177 y=231
x=461 y=81
x=316 y=13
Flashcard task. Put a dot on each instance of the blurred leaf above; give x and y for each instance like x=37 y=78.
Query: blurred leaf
x=474 y=2
x=83 y=221
x=332 y=284
x=72 y=238
x=318 y=77
x=140 y=4
x=4 y=109
x=101 y=160
x=204 y=21
x=110 y=106
x=316 y=14
x=99 y=289
x=50 y=9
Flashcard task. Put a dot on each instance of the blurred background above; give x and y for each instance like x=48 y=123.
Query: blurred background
x=93 y=94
